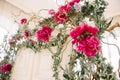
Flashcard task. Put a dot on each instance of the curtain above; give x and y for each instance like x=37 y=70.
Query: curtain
x=37 y=66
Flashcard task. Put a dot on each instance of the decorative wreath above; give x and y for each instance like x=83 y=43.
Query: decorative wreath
x=82 y=22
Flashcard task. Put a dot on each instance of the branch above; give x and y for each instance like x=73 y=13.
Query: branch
x=113 y=27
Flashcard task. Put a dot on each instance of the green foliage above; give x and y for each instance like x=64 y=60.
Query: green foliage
x=94 y=68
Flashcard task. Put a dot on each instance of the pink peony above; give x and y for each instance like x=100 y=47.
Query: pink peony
x=23 y=21
x=26 y=33
x=65 y=8
x=60 y=17
x=75 y=41
x=92 y=30
x=44 y=33
x=31 y=41
x=6 y=67
x=18 y=38
x=75 y=33
x=81 y=46
x=11 y=42
x=51 y=12
x=89 y=45
x=84 y=37
x=84 y=28
x=48 y=29
x=72 y=2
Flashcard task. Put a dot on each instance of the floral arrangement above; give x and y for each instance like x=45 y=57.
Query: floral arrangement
x=85 y=39
x=5 y=69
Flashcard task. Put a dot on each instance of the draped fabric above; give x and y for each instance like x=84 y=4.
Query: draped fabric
x=37 y=66
x=33 y=66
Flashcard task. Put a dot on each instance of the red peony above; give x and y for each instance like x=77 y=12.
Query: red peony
x=71 y=3
x=26 y=33
x=51 y=12
x=89 y=45
x=44 y=33
x=23 y=21
x=6 y=67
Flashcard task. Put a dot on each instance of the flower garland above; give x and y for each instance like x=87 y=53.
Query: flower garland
x=85 y=39
x=5 y=69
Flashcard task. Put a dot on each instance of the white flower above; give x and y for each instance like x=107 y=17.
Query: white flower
x=77 y=7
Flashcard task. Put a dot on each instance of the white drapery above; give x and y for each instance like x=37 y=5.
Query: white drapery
x=37 y=66
x=33 y=66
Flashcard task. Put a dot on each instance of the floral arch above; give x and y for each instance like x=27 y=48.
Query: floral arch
x=84 y=24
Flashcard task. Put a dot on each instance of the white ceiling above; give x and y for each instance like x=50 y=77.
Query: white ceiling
x=113 y=8
x=35 y=5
